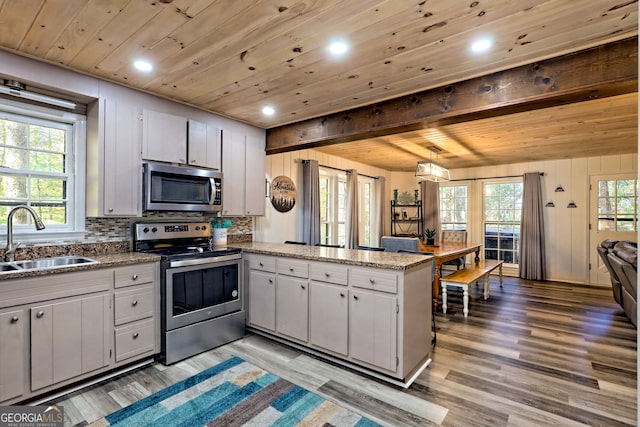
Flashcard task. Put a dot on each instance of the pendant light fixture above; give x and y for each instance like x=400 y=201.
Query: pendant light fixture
x=432 y=171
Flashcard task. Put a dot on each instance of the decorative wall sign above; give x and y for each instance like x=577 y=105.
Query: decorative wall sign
x=283 y=193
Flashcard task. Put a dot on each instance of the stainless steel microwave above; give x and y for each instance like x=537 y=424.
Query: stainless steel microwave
x=181 y=188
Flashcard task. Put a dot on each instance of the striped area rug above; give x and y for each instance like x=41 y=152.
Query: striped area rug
x=235 y=393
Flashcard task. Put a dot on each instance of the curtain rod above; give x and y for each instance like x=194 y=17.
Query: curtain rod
x=490 y=177
x=343 y=170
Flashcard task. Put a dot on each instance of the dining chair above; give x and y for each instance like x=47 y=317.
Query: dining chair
x=394 y=243
x=455 y=236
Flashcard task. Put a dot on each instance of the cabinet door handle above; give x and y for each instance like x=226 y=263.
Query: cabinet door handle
x=261 y=265
x=302 y=286
x=134 y=302
x=136 y=335
x=110 y=209
x=341 y=294
x=270 y=280
x=40 y=314
x=355 y=297
x=134 y=277
x=15 y=319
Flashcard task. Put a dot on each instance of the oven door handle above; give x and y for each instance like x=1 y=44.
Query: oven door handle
x=198 y=261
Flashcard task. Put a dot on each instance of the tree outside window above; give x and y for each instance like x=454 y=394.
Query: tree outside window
x=618 y=205
x=453 y=207
x=502 y=212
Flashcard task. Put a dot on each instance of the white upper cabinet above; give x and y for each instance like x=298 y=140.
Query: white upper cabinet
x=244 y=169
x=164 y=137
x=203 y=145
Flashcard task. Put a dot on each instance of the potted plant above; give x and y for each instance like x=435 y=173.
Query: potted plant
x=430 y=236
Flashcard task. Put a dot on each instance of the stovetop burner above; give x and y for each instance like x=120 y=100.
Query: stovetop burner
x=177 y=240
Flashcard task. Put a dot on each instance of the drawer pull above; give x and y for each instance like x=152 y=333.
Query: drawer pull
x=327 y=275
x=15 y=319
x=40 y=314
x=134 y=277
x=134 y=302
x=341 y=294
x=291 y=269
x=373 y=282
x=135 y=335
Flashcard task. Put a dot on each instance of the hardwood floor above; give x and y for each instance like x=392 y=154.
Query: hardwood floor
x=534 y=354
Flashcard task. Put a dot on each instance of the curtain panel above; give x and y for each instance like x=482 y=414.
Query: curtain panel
x=379 y=208
x=352 y=223
x=311 y=202
x=532 y=264
x=430 y=196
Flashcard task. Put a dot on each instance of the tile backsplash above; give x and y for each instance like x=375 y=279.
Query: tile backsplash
x=115 y=229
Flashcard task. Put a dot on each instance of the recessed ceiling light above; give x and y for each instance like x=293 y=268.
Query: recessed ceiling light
x=481 y=45
x=143 y=65
x=338 y=47
x=268 y=110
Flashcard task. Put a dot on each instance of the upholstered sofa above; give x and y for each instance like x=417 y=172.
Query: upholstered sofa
x=621 y=260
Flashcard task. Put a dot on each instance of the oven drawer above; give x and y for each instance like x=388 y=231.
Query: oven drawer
x=292 y=267
x=134 y=304
x=262 y=263
x=134 y=339
x=134 y=275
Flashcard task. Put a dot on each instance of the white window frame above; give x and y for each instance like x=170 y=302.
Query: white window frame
x=485 y=222
x=75 y=165
x=333 y=221
x=462 y=226
x=366 y=228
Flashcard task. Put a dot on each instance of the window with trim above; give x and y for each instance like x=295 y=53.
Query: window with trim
x=502 y=212
x=38 y=168
x=453 y=207
x=333 y=207
x=618 y=205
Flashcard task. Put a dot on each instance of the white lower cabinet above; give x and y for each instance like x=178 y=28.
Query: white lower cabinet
x=354 y=313
x=66 y=327
x=373 y=328
x=68 y=339
x=262 y=300
x=329 y=317
x=13 y=325
x=292 y=307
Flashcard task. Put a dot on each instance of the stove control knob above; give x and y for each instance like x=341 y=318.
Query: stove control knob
x=145 y=230
x=153 y=230
x=197 y=228
x=204 y=227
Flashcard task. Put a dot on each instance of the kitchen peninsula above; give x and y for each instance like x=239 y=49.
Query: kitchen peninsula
x=368 y=310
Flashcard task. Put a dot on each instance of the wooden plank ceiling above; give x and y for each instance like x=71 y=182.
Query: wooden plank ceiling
x=234 y=57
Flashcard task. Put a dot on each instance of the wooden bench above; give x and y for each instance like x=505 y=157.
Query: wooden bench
x=465 y=277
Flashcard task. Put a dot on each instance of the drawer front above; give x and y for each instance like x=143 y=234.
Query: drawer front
x=327 y=272
x=134 y=304
x=374 y=279
x=292 y=267
x=134 y=339
x=134 y=275
x=262 y=263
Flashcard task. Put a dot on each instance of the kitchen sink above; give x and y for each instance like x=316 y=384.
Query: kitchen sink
x=45 y=263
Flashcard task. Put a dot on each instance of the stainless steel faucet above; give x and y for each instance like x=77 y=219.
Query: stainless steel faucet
x=10 y=252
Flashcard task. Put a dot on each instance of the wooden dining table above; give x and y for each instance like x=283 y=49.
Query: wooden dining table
x=445 y=251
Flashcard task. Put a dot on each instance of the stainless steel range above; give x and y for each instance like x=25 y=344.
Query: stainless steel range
x=201 y=287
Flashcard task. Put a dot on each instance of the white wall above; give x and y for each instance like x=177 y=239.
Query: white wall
x=567 y=230
x=276 y=227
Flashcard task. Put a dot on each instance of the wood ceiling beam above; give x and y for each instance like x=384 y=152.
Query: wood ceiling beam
x=599 y=72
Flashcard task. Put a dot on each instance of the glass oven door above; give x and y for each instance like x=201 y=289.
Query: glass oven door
x=204 y=291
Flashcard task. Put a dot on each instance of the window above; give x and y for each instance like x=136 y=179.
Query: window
x=453 y=207
x=333 y=207
x=618 y=205
x=333 y=202
x=502 y=211
x=38 y=152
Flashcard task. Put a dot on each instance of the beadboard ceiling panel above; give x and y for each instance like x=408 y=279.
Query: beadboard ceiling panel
x=234 y=57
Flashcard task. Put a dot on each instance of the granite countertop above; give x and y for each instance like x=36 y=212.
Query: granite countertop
x=375 y=259
x=106 y=260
